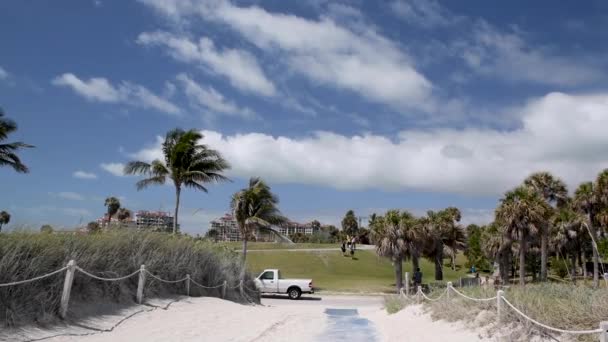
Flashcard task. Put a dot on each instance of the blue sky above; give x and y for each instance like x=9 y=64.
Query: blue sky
x=338 y=105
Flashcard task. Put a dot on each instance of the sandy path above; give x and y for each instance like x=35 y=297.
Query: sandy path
x=212 y=319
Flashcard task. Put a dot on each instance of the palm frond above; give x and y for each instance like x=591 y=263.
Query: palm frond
x=156 y=180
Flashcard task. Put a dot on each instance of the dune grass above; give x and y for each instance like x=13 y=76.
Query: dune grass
x=331 y=271
x=108 y=254
x=563 y=306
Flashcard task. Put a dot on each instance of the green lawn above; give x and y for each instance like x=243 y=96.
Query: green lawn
x=237 y=245
x=333 y=272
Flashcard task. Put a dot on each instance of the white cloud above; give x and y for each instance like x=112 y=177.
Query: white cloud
x=3 y=73
x=211 y=99
x=100 y=89
x=239 y=66
x=508 y=56
x=84 y=175
x=68 y=195
x=115 y=169
x=425 y=13
x=357 y=59
x=560 y=133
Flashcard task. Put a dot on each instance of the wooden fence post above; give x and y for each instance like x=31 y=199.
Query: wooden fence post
x=224 y=289
x=67 y=288
x=499 y=295
x=140 y=284
x=448 y=289
x=188 y=285
x=604 y=333
x=407 y=283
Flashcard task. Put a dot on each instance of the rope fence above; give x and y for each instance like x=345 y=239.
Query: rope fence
x=72 y=268
x=500 y=298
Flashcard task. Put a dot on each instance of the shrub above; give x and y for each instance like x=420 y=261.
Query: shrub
x=107 y=254
x=559 y=267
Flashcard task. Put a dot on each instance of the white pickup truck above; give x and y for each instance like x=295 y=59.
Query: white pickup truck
x=270 y=281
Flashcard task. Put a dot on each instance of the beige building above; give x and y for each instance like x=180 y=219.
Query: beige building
x=228 y=230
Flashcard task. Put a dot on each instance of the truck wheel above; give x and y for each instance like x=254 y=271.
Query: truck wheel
x=294 y=293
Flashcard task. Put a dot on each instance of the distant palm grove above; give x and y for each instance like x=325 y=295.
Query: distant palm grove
x=538 y=225
x=536 y=220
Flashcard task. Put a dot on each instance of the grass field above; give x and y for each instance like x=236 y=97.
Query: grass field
x=331 y=271
x=237 y=245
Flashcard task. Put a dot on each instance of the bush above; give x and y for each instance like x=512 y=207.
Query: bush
x=107 y=254
x=559 y=267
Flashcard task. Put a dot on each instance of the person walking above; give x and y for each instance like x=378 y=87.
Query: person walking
x=343 y=247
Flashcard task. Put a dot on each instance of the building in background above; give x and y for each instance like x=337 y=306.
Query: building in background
x=228 y=230
x=155 y=220
x=144 y=219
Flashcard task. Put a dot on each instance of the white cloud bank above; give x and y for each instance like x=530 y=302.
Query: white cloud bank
x=357 y=59
x=99 y=89
x=561 y=133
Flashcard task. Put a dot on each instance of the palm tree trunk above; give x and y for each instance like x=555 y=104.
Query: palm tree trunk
x=596 y=268
x=178 y=190
x=581 y=263
x=453 y=260
x=244 y=251
x=522 y=259
x=399 y=273
x=544 y=250
x=439 y=261
x=573 y=272
x=415 y=261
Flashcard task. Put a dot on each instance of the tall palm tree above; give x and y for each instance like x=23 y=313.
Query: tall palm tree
x=521 y=211
x=553 y=191
x=391 y=241
x=8 y=155
x=112 y=204
x=187 y=163
x=255 y=207
x=5 y=218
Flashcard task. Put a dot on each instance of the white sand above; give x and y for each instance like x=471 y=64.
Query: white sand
x=412 y=324
x=212 y=319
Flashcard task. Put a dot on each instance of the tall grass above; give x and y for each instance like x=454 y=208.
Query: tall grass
x=108 y=254
x=561 y=306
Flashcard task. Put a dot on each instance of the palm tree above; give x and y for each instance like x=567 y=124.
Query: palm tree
x=554 y=192
x=591 y=198
x=5 y=218
x=455 y=240
x=568 y=234
x=349 y=224
x=113 y=204
x=255 y=207
x=124 y=214
x=521 y=211
x=8 y=156
x=391 y=242
x=437 y=226
x=187 y=163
